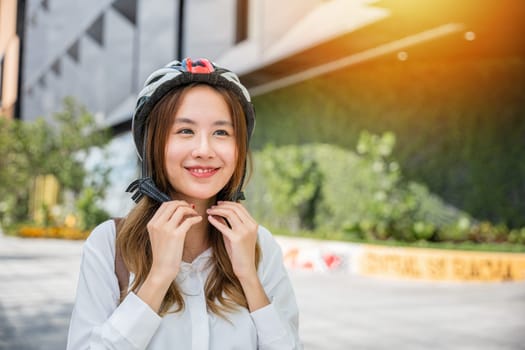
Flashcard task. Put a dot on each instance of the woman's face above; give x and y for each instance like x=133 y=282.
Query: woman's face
x=201 y=151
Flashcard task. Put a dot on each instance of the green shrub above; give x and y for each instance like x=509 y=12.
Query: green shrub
x=89 y=210
x=517 y=236
x=330 y=189
x=456 y=232
x=294 y=179
x=334 y=193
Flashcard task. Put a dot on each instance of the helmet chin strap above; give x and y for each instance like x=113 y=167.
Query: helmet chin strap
x=145 y=186
x=238 y=195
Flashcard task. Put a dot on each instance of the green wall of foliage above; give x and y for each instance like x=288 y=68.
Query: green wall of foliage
x=459 y=125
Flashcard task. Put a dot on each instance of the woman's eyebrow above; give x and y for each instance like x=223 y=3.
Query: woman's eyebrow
x=191 y=121
x=223 y=123
x=184 y=121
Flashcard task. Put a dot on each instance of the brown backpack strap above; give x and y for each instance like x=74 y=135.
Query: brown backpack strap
x=120 y=267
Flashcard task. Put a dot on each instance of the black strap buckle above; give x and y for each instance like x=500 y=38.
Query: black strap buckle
x=146 y=187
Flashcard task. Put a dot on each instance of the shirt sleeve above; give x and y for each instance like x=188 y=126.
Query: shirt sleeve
x=97 y=320
x=277 y=323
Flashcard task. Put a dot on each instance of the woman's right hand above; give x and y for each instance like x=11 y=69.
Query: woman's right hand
x=167 y=231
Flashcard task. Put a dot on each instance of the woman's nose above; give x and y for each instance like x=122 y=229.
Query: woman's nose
x=203 y=148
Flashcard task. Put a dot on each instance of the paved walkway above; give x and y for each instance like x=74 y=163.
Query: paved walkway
x=37 y=287
x=38 y=280
x=342 y=312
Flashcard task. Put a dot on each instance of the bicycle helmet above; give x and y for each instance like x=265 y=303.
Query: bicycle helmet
x=174 y=75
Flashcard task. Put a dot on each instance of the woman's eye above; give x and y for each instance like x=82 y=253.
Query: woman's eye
x=185 y=131
x=222 y=133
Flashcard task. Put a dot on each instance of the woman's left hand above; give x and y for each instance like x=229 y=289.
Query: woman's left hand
x=240 y=236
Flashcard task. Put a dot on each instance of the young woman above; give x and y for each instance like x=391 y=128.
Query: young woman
x=202 y=273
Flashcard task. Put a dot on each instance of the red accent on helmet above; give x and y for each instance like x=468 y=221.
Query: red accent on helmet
x=201 y=66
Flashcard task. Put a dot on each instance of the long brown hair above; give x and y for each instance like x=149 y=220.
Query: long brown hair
x=223 y=290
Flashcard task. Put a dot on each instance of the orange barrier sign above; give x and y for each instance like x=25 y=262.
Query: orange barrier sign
x=431 y=264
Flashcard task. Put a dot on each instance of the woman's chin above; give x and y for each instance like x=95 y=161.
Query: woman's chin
x=199 y=195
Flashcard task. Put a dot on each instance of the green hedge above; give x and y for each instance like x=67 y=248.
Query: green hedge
x=332 y=193
x=460 y=125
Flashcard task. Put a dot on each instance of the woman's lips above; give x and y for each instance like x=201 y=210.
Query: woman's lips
x=201 y=172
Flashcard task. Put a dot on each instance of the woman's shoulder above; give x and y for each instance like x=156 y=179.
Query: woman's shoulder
x=270 y=248
x=266 y=239
x=271 y=267
x=103 y=236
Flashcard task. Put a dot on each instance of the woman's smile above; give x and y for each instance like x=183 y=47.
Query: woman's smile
x=202 y=172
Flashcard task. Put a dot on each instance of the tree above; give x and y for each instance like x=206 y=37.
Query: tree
x=59 y=148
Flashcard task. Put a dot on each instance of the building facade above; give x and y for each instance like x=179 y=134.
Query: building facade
x=101 y=51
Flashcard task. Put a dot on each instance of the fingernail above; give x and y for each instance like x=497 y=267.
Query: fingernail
x=192 y=206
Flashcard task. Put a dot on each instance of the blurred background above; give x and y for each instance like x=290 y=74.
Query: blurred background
x=397 y=122
x=368 y=112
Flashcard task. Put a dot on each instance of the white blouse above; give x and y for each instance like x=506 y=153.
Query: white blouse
x=99 y=322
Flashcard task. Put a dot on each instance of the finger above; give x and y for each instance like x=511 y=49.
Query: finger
x=227 y=213
x=189 y=222
x=167 y=209
x=239 y=209
x=162 y=218
x=178 y=216
x=220 y=224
